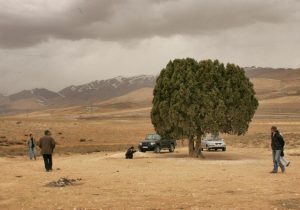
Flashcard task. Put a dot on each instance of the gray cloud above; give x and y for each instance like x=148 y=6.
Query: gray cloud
x=130 y=19
x=56 y=43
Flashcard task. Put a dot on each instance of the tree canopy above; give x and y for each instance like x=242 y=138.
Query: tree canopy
x=195 y=98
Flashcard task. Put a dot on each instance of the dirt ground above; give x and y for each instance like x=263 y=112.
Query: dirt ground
x=88 y=148
x=116 y=130
x=236 y=179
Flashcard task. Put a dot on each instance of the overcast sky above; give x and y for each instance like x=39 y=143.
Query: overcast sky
x=56 y=43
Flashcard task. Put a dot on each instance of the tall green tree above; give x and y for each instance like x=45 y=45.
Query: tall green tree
x=194 y=98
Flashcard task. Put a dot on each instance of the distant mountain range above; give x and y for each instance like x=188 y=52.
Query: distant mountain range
x=268 y=83
x=274 y=83
x=105 y=89
x=272 y=73
x=93 y=92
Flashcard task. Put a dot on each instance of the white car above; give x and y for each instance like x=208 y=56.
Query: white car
x=213 y=143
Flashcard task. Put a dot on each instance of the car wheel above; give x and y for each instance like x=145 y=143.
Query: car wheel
x=216 y=149
x=157 y=149
x=172 y=148
x=224 y=149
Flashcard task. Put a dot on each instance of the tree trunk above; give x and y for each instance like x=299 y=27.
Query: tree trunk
x=191 y=146
x=198 y=148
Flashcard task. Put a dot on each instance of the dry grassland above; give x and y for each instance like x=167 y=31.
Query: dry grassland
x=91 y=143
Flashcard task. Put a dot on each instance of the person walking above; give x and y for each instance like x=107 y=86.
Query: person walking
x=277 y=144
x=283 y=160
x=31 y=147
x=47 y=145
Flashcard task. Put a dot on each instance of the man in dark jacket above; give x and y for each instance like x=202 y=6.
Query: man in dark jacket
x=47 y=145
x=129 y=153
x=277 y=144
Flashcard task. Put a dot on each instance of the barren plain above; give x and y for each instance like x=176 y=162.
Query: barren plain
x=91 y=145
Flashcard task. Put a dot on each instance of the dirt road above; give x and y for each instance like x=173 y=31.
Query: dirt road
x=236 y=179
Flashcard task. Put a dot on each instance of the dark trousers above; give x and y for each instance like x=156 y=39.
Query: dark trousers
x=129 y=156
x=48 y=161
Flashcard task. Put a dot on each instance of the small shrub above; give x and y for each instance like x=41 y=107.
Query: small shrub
x=82 y=140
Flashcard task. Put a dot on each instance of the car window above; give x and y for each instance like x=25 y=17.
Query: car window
x=149 y=137
x=214 y=139
x=153 y=137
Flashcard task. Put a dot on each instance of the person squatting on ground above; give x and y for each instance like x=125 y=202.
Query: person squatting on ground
x=129 y=153
x=277 y=144
x=47 y=145
x=31 y=147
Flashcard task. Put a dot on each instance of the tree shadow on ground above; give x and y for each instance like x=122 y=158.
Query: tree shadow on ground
x=208 y=155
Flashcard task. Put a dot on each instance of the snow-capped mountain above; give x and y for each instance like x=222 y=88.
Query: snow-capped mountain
x=28 y=100
x=96 y=91
x=106 y=89
x=41 y=94
x=268 y=83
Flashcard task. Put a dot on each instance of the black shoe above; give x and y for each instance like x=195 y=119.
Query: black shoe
x=273 y=172
x=288 y=164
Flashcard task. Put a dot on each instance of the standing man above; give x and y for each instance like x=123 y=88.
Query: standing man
x=47 y=145
x=31 y=147
x=277 y=144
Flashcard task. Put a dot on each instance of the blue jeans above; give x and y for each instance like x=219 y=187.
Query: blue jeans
x=31 y=153
x=276 y=160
